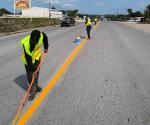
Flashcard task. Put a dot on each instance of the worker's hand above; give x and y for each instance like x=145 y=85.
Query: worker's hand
x=45 y=50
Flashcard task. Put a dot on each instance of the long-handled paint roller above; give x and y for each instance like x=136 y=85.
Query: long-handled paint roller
x=28 y=91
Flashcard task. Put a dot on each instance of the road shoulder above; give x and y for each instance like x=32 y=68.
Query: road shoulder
x=142 y=27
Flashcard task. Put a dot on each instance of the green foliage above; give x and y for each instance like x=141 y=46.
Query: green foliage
x=53 y=8
x=72 y=13
x=16 y=24
x=119 y=17
x=64 y=12
x=88 y=15
x=4 y=11
x=148 y=7
x=129 y=11
x=147 y=13
x=137 y=14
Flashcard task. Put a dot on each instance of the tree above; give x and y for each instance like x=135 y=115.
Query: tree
x=130 y=12
x=64 y=12
x=137 y=14
x=72 y=13
x=4 y=11
x=148 y=7
x=53 y=8
x=148 y=12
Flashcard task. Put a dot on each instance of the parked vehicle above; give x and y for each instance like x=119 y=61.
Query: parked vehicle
x=67 y=21
x=131 y=20
x=136 y=19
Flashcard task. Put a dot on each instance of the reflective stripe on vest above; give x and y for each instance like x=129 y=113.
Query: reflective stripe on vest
x=36 y=53
x=88 y=22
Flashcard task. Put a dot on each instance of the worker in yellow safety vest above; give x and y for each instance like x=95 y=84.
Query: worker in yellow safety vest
x=88 y=24
x=95 y=20
x=31 y=57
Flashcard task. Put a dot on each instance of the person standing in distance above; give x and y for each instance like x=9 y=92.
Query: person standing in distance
x=88 y=24
x=95 y=20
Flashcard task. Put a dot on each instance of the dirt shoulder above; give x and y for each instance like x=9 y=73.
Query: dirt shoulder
x=9 y=25
x=143 y=27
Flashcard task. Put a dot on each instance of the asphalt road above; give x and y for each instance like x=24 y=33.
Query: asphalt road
x=107 y=84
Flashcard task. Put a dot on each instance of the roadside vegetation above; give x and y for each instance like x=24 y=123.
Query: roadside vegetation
x=4 y=11
x=131 y=15
x=8 y=25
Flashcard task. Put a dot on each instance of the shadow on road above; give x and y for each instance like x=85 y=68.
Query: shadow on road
x=22 y=81
x=82 y=37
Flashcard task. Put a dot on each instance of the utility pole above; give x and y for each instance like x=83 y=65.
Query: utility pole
x=49 y=8
x=117 y=11
x=148 y=14
x=125 y=14
x=14 y=8
x=30 y=8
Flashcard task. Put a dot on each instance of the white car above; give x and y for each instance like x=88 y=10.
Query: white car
x=131 y=20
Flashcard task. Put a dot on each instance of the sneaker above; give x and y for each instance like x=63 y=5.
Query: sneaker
x=31 y=96
x=39 y=89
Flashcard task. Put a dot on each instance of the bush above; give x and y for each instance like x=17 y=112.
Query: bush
x=12 y=24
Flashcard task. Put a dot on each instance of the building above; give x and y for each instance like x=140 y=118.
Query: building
x=37 y=12
x=139 y=19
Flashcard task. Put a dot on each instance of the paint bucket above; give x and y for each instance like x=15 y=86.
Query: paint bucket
x=78 y=40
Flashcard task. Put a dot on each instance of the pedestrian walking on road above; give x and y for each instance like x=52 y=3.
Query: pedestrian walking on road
x=31 y=57
x=88 y=24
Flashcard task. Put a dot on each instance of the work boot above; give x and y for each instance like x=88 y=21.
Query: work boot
x=39 y=89
x=32 y=95
x=89 y=38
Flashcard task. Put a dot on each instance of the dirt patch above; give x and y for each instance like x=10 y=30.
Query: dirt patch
x=8 y=25
x=143 y=27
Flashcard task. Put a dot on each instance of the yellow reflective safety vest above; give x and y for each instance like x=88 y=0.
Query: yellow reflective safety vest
x=88 y=22
x=36 y=53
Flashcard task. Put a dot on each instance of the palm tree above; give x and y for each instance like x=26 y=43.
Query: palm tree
x=130 y=12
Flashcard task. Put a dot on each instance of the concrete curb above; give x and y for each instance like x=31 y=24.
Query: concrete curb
x=26 y=30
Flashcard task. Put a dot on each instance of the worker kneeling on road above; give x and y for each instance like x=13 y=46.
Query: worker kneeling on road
x=88 y=24
x=31 y=57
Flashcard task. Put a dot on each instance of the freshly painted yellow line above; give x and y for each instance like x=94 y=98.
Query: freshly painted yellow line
x=25 y=117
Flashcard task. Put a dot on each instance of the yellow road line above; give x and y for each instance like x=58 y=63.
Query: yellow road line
x=25 y=117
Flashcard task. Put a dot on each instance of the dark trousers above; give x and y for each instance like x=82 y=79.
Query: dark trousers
x=29 y=74
x=88 y=28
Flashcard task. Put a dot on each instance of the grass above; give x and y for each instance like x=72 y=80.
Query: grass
x=8 y=25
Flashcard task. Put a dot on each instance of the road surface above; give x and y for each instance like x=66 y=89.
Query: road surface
x=108 y=83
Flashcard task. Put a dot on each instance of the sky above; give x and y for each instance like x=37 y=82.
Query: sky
x=87 y=6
